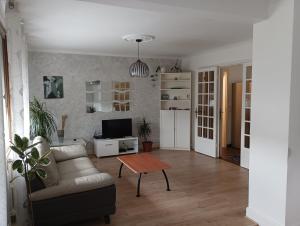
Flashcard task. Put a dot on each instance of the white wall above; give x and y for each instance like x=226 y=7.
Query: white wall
x=293 y=181
x=227 y=55
x=76 y=70
x=272 y=60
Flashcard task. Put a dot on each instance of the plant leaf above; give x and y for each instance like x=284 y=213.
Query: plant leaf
x=45 y=161
x=35 y=153
x=31 y=161
x=33 y=145
x=41 y=173
x=18 y=141
x=20 y=169
x=17 y=164
x=25 y=143
x=18 y=151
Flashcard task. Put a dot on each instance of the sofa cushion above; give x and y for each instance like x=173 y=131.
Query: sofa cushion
x=64 y=153
x=76 y=168
x=75 y=185
x=51 y=169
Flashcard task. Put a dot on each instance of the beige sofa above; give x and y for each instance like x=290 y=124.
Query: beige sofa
x=74 y=189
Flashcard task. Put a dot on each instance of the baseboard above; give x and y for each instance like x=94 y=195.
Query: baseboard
x=260 y=219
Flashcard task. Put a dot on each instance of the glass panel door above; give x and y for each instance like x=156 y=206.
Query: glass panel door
x=205 y=126
x=246 y=115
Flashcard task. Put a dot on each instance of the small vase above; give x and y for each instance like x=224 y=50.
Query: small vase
x=60 y=135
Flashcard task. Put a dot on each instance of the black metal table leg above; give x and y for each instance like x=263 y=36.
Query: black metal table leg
x=138 y=187
x=120 y=170
x=168 y=187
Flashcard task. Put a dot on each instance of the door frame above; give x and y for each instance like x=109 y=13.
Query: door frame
x=218 y=96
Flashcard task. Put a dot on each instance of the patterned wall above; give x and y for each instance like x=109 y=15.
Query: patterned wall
x=76 y=70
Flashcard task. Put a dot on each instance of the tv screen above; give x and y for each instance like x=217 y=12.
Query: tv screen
x=116 y=128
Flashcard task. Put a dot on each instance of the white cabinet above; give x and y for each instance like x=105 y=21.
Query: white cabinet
x=175 y=129
x=167 y=130
x=118 y=146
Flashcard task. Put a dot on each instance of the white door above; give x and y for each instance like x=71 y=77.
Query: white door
x=206 y=111
x=167 y=129
x=182 y=130
x=246 y=115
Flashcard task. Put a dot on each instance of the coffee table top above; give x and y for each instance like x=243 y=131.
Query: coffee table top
x=143 y=163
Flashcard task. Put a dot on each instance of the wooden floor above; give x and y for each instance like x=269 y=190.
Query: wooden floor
x=204 y=192
x=232 y=155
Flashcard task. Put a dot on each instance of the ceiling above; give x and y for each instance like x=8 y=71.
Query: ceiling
x=181 y=27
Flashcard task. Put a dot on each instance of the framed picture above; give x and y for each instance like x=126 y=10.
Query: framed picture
x=53 y=87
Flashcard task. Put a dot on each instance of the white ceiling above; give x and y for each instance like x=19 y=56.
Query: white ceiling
x=181 y=27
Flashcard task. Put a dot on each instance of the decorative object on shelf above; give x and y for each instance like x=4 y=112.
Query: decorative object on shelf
x=165 y=96
x=29 y=165
x=90 y=109
x=61 y=132
x=53 y=87
x=42 y=122
x=176 y=68
x=144 y=131
x=139 y=69
x=175 y=98
x=158 y=70
x=163 y=69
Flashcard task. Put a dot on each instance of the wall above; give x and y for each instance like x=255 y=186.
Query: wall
x=293 y=182
x=76 y=70
x=227 y=55
x=272 y=60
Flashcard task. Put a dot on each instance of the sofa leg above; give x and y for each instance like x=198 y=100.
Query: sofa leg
x=107 y=219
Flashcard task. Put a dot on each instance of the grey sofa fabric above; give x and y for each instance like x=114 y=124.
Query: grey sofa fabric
x=82 y=191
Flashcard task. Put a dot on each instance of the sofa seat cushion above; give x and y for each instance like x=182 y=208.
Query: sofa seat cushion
x=75 y=185
x=64 y=153
x=76 y=168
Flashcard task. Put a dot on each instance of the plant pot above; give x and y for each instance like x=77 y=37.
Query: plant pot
x=147 y=146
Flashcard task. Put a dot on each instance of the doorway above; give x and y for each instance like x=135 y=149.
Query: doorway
x=230 y=105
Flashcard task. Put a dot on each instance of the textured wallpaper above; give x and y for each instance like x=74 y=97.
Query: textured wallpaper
x=76 y=70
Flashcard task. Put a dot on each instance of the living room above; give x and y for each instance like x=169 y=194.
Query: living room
x=114 y=112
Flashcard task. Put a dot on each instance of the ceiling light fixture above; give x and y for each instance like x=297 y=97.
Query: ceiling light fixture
x=139 y=69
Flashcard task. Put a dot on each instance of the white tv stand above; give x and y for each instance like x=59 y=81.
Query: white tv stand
x=118 y=146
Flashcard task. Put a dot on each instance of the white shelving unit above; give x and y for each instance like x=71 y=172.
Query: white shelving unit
x=175 y=113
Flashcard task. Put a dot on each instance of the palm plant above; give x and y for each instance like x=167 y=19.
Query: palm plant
x=42 y=122
x=144 y=130
x=29 y=163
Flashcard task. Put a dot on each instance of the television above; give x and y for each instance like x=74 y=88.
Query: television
x=116 y=128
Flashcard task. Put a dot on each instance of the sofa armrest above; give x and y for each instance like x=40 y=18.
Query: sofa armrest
x=72 y=186
x=63 y=153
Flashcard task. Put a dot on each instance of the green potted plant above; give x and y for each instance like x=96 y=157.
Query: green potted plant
x=42 y=122
x=29 y=163
x=144 y=132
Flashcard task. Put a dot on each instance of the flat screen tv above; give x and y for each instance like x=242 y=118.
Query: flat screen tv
x=116 y=128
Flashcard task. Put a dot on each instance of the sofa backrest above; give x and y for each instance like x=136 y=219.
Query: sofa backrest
x=51 y=169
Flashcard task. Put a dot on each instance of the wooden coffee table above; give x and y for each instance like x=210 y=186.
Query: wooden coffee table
x=142 y=164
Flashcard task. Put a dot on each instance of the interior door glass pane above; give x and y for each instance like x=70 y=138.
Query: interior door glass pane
x=205 y=110
x=247 y=128
x=248 y=101
x=211 y=134
x=211 y=123
x=211 y=111
x=205 y=88
x=247 y=142
x=247 y=115
x=205 y=97
x=248 y=86
x=199 y=121
x=200 y=101
x=200 y=87
x=205 y=122
x=199 y=131
x=200 y=77
x=249 y=72
x=204 y=133
x=211 y=87
x=206 y=77
x=211 y=76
